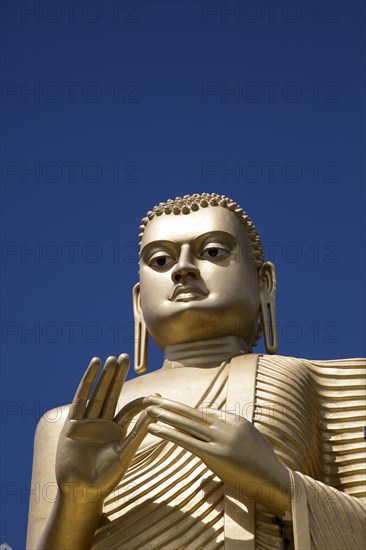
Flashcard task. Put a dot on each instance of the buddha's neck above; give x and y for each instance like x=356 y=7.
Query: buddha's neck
x=203 y=353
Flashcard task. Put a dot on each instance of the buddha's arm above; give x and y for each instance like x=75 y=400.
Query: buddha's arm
x=238 y=453
x=335 y=517
x=71 y=525
x=43 y=485
x=324 y=517
x=93 y=453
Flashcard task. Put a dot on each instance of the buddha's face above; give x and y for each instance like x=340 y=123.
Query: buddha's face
x=198 y=280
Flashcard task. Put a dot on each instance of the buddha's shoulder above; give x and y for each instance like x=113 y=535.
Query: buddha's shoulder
x=51 y=423
x=354 y=366
x=346 y=362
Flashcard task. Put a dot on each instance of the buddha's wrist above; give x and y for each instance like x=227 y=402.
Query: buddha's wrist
x=82 y=494
x=277 y=498
x=78 y=498
x=72 y=524
x=273 y=492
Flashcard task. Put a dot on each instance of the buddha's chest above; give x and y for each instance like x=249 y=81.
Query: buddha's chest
x=186 y=385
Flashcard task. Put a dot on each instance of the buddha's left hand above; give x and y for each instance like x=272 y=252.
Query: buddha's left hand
x=230 y=446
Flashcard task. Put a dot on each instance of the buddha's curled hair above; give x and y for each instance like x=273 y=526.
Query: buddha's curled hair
x=192 y=203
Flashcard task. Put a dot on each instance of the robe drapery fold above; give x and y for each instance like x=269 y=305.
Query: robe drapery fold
x=313 y=413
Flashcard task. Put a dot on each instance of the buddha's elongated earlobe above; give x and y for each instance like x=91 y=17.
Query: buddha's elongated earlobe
x=141 y=334
x=267 y=281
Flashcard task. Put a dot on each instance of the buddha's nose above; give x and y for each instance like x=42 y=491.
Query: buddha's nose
x=185 y=268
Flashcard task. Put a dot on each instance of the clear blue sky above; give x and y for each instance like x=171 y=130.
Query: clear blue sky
x=137 y=102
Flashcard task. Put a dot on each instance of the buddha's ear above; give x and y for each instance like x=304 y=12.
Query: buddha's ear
x=141 y=334
x=136 y=300
x=267 y=286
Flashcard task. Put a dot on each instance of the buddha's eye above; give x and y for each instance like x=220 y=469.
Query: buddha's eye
x=215 y=251
x=160 y=262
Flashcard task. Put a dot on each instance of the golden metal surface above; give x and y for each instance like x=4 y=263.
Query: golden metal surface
x=219 y=448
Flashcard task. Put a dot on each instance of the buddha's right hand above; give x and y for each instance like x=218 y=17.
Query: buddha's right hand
x=94 y=452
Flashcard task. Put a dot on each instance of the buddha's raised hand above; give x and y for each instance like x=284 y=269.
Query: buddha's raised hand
x=230 y=446
x=94 y=452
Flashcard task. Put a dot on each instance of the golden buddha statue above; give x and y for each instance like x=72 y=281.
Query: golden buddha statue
x=220 y=448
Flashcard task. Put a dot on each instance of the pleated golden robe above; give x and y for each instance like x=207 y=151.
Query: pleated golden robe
x=313 y=413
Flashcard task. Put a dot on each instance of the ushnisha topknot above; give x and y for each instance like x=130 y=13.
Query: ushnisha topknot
x=192 y=203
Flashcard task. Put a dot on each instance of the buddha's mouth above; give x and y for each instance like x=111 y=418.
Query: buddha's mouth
x=184 y=293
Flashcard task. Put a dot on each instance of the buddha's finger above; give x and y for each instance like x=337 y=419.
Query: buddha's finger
x=131 y=443
x=115 y=388
x=77 y=409
x=98 y=396
x=205 y=416
x=129 y=411
x=195 y=446
x=187 y=425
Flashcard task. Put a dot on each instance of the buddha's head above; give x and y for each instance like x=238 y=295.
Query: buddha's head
x=202 y=273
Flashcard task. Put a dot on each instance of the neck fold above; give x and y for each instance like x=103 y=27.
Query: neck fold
x=203 y=353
